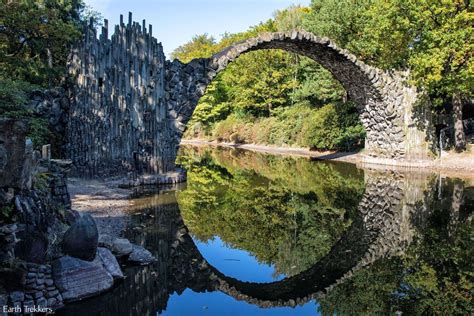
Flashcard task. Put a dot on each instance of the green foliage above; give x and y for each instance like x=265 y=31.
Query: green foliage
x=316 y=84
x=331 y=127
x=41 y=181
x=343 y=21
x=431 y=38
x=13 y=97
x=441 y=61
x=271 y=88
x=199 y=47
x=36 y=37
x=291 y=18
x=323 y=128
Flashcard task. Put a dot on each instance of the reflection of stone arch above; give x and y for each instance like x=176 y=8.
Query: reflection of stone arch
x=374 y=234
x=383 y=100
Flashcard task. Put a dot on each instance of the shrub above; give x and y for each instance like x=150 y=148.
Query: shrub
x=13 y=97
x=331 y=127
x=352 y=137
x=321 y=130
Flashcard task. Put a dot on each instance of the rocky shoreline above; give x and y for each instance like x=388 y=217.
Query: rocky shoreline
x=50 y=253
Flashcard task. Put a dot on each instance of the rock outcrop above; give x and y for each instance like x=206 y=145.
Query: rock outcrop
x=140 y=255
x=109 y=262
x=49 y=253
x=77 y=279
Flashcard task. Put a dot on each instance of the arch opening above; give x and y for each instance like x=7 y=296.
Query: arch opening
x=275 y=97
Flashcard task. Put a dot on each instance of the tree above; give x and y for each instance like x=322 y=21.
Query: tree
x=200 y=46
x=35 y=39
x=431 y=38
x=441 y=60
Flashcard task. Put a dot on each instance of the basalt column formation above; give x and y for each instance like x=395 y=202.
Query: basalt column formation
x=118 y=119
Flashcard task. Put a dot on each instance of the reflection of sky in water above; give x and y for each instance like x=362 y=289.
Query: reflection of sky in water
x=236 y=263
x=220 y=304
x=240 y=265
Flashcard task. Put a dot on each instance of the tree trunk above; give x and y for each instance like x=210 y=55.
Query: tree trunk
x=459 y=135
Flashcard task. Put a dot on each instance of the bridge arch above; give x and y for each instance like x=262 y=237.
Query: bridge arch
x=383 y=100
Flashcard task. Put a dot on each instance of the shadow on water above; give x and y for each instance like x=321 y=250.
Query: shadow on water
x=353 y=241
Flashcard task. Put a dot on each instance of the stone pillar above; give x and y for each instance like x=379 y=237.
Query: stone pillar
x=15 y=162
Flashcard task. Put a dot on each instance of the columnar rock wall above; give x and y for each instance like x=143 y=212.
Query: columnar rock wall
x=118 y=120
x=131 y=107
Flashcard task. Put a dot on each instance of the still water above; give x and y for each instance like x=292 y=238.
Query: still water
x=255 y=234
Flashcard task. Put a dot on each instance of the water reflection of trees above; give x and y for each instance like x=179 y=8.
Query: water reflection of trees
x=284 y=211
x=432 y=277
x=408 y=248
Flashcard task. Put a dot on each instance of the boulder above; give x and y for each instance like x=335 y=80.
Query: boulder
x=77 y=279
x=109 y=262
x=140 y=255
x=81 y=239
x=121 y=247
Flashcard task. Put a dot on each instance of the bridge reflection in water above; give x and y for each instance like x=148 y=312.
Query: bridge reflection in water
x=393 y=209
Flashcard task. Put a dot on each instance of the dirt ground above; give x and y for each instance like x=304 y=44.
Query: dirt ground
x=104 y=200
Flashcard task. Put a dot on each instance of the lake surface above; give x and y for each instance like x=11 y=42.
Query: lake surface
x=256 y=234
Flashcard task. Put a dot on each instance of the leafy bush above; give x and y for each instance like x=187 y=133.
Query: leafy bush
x=331 y=127
x=13 y=97
x=351 y=138
x=322 y=129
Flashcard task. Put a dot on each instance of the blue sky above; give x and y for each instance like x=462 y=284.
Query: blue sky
x=176 y=21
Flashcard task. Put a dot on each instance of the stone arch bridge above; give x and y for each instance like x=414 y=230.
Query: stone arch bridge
x=131 y=105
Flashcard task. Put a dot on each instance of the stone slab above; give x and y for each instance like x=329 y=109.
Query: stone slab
x=77 y=279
